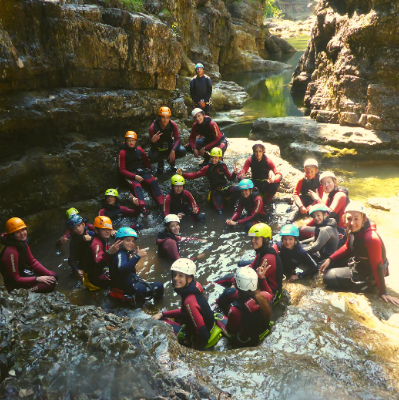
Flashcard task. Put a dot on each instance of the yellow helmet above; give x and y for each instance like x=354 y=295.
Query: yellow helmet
x=177 y=180
x=260 y=230
x=14 y=224
x=112 y=192
x=102 y=222
x=71 y=211
x=216 y=152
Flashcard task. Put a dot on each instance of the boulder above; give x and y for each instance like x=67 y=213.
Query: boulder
x=383 y=203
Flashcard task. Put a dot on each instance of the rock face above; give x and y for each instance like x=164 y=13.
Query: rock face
x=348 y=73
x=299 y=138
x=295 y=9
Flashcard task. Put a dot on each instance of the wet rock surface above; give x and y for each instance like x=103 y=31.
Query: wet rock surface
x=348 y=72
x=304 y=137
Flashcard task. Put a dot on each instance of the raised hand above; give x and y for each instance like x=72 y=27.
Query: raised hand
x=115 y=247
x=156 y=137
x=135 y=200
x=141 y=252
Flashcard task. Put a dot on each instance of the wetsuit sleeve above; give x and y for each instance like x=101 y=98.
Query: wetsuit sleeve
x=255 y=211
x=36 y=266
x=193 y=136
x=265 y=288
x=322 y=239
x=170 y=248
x=10 y=264
x=127 y=212
x=90 y=227
x=126 y=266
x=216 y=136
x=67 y=234
x=337 y=204
x=297 y=192
x=193 y=310
x=99 y=256
x=172 y=313
x=151 y=131
x=277 y=174
x=191 y=200
x=208 y=89
x=166 y=205
x=373 y=246
x=194 y=175
x=122 y=166
x=146 y=161
x=102 y=212
x=233 y=320
x=230 y=176
x=245 y=168
x=344 y=251
x=253 y=263
x=320 y=191
x=238 y=212
x=192 y=90
x=176 y=136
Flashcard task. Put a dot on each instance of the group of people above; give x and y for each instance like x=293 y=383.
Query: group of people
x=338 y=239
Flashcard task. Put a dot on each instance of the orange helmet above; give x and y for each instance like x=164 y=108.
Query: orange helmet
x=14 y=224
x=164 y=111
x=131 y=134
x=102 y=222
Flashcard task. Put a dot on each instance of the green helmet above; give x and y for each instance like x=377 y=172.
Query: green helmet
x=71 y=211
x=112 y=192
x=177 y=180
x=260 y=230
x=216 y=152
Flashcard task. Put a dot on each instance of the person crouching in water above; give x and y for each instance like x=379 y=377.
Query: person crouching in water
x=123 y=270
x=81 y=237
x=98 y=255
x=168 y=240
x=195 y=313
x=248 y=320
x=253 y=204
x=181 y=202
x=113 y=210
x=362 y=260
x=19 y=268
x=326 y=237
x=293 y=255
x=218 y=174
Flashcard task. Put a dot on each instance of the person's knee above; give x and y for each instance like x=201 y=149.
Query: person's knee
x=157 y=288
x=200 y=217
x=181 y=152
x=330 y=277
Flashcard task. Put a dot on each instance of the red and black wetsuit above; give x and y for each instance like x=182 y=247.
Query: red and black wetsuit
x=132 y=162
x=253 y=204
x=301 y=196
x=77 y=249
x=96 y=259
x=245 y=321
x=116 y=212
x=195 y=313
x=217 y=175
x=210 y=136
x=20 y=269
x=168 y=245
x=365 y=258
x=183 y=202
x=260 y=175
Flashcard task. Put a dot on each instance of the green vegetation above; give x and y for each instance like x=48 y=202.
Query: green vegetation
x=134 y=5
x=166 y=12
x=271 y=10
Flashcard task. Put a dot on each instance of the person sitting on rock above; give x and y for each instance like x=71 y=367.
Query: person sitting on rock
x=362 y=262
x=194 y=321
x=67 y=235
x=201 y=90
x=123 y=271
x=251 y=202
x=114 y=211
x=19 y=268
x=165 y=141
x=302 y=198
x=326 y=238
x=181 y=202
x=98 y=255
x=218 y=174
x=81 y=237
x=293 y=255
x=249 y=316
x=135 y=167
x=210 y=136
x=168 y=241
x=264 y=174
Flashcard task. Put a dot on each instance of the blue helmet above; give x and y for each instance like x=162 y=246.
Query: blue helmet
x=289 y=230
x=246 y=184
x=125 y=232
x=319 y=207
x=74 y=220
x=199 y=65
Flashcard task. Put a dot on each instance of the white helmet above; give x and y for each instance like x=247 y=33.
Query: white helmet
x=185 y=266
x=311 y=162
x=246 y=279
x=355 y=206
x=171 y=218
x=196 y=111
x=327 y=174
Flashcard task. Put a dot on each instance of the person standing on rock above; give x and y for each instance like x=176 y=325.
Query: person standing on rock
x=302 y=198
x=362 y=262
x=19 y=268
x=135 y=167
x=165 y=141
x=210 y=136
x=264 y=173
x=201 y=90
